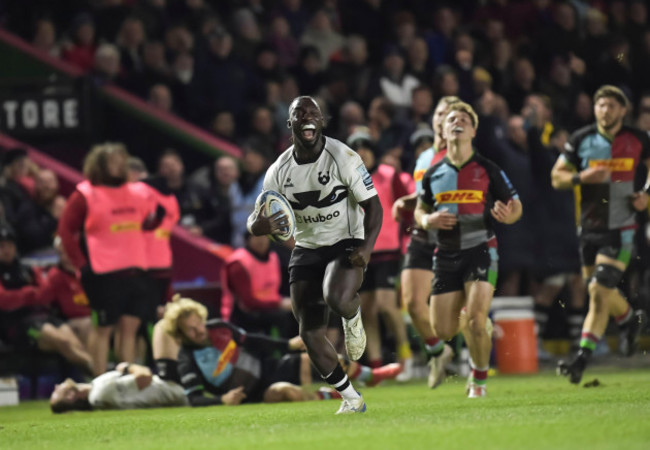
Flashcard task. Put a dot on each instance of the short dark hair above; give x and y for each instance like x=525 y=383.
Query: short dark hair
x=609 y=91
x=77 y=405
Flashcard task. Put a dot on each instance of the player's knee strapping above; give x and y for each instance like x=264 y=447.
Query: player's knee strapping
x=607 y=275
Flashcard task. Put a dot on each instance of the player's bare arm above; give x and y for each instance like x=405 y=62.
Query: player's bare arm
x=371 y=226
x=565 y=176
x=404 y=204
x=507 y=213
x=427 y=218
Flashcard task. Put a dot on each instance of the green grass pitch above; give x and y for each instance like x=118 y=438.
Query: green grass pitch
x=520 y=412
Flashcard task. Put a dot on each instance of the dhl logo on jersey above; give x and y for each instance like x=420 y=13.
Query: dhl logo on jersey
x=614 y=164
x=225 y=358
x=121 y=227
x=418 y=175
x=462 y=196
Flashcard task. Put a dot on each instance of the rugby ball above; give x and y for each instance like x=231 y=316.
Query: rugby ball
x=273 y=202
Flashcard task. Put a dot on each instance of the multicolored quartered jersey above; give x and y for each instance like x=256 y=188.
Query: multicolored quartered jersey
x=427 y=158
x=469 y=192
x=608 y=206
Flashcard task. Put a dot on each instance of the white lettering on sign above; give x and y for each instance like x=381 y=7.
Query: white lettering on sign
x=30 y=114
x=70 y=113
x=10 y=107
x=44 y=113
x=51 y=114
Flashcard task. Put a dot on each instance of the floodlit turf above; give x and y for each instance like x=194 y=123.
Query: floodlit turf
x=541 y=411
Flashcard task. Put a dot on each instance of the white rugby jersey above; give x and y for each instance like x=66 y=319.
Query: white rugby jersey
x=113 y=390
x=325 y=194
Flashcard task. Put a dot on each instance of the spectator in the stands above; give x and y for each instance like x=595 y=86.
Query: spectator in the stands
x=247 y=35
x=386 y=131
x=18 y=172
x=178 y=39
x=130 y=40
x=25 y=321
x=262 y=128
x=218 y=223
x=160 y=97
x=355 y=65
x=440 y=40
x=45 y=38
x=266 y=63
x=285 y=45
x=309 y=72
x=445 y=82
x=67 y=295
x=226 y=82
x=257 y=158
x=224 y=127
x=137 y=169
x=106 y=68
x=254 y=277
x=501 y=65
x=191 y=12
x=516 y=243
x=393 y=82
x=562 y=87
x=582 y=112
x=418 y=63
x=421 y=105
x=37 y=219
x=101 y=231
x=191 y=198
x=319 y=33
x=185 y=93
x=80 y=50
x=155 y=68
x=154 y=15
x=523 y=83
x=351 y=115
x=110 y=16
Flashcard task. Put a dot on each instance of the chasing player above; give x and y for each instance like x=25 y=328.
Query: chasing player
x=456 y=195
x=416 y=276
x=609 y=161
x=338 y=218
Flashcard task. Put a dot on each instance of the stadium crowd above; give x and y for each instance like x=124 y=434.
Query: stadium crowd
x=377 y=68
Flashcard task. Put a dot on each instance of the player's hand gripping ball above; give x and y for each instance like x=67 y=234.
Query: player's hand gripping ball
x=272 y=202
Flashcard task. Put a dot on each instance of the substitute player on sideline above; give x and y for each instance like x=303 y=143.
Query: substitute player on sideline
x=416 y=276
x=456 y=195
x=338 y=218
x=610 y=162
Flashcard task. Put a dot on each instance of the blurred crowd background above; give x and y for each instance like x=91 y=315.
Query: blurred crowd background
x=232 y=67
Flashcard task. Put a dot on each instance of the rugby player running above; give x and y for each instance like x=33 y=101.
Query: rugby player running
x=609 y=161
x=338 y=219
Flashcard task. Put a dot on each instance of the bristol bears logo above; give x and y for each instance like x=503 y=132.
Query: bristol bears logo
x=323 y=178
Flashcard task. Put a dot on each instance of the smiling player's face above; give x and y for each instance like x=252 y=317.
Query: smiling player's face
x=458 y=127
x=306 y=122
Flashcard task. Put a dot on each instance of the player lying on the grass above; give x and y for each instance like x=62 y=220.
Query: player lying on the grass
x=458 y=195
x=129 y=386
x=218 y=358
